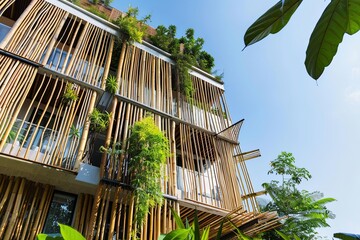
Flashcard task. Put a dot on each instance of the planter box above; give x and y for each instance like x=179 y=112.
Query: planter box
x=89 y=174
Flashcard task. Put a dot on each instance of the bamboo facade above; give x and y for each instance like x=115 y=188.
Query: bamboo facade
x=51 y=47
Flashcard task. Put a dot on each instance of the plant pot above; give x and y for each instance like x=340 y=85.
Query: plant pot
x=89 y=174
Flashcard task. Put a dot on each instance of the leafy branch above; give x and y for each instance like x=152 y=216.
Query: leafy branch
x=340 y=17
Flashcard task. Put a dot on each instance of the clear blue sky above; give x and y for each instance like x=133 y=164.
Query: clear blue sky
x=284 y=109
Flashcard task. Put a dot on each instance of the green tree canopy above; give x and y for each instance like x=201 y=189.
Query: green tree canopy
x=304 y=211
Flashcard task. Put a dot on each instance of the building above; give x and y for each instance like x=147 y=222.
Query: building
x=50 y=168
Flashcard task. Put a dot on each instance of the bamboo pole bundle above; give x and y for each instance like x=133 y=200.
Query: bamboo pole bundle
x=82 y=212
x=46 y=121
x=32 y=36
x=12 y=73
x=246 y=182
x=209 y=172
x=145 y=78
x=24 y=209
x=91 y=56
x=4 y=4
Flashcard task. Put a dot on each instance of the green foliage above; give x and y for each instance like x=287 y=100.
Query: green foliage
x=67 y=233
x=346 y=236
x=111 y=84
x=76 y=2
x=97 y=12
x=69 y=94
x=306 y=211
x=108 y=2
x=339 y=17
x=99 y=121
x=187 y=232
x=165 y=38
x=271 y=22
x=192 y=54
x=326 y=37
x=74 y=132
x=193 y=49
x=148 y=150
x=134 y=30
x=115 y=150
x=186 y=84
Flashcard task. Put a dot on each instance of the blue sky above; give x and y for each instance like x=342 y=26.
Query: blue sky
x=284 y=109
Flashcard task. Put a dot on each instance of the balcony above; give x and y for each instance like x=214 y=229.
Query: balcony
x=41 y=144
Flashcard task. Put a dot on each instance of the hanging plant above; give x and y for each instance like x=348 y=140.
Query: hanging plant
x=99 y=121
x=148 y=150
x=186 y=84
x=69 y=94
x=133 y=30
x=111 y=84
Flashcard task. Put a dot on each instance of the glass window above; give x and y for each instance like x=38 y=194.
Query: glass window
x=61 y=211
x=3 y=31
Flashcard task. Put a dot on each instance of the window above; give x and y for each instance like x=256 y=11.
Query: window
x=3 y=31
x=61 y=211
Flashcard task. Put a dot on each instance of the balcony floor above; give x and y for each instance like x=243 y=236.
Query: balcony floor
x=63 y=180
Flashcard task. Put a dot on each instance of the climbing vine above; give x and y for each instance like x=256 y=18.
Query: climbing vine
x=148 y=150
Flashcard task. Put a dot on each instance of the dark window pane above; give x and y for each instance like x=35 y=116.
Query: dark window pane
x=61 y=211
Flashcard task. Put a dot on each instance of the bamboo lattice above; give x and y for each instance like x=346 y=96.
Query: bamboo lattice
x=23 y=207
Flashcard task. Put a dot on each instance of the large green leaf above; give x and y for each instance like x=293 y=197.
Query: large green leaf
x=196 y=226
x=69 y=233
x=282 y=235
x=347 y=236
x=177 y=218
x=178 y=234
x=354 y=16
x=272 y=21
x=326 y=37
x=324 y=201
x=218 y=236
x=205 y=233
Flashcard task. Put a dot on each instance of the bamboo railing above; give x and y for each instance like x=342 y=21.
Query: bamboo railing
x=145 y=78
x=13 y=90
x=44 y=122
x=23 y=207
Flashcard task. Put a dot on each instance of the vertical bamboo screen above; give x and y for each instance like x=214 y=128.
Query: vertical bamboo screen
x=113 y=213
x=146 y=79
x=13 y=90
x=62 y=42
x=125 y=116
x=23 y=207
x=4 y=4
x=82 y=214
x=207 y=109
x=31 y=37
x=207 y=171
x=245 y=183
x=120 y=201
x=85 y=50
x=43 y=129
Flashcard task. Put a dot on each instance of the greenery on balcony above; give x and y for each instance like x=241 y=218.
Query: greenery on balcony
x=148 y=150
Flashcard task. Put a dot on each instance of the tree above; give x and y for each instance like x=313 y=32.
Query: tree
x=304 y=211
x=340 y=17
